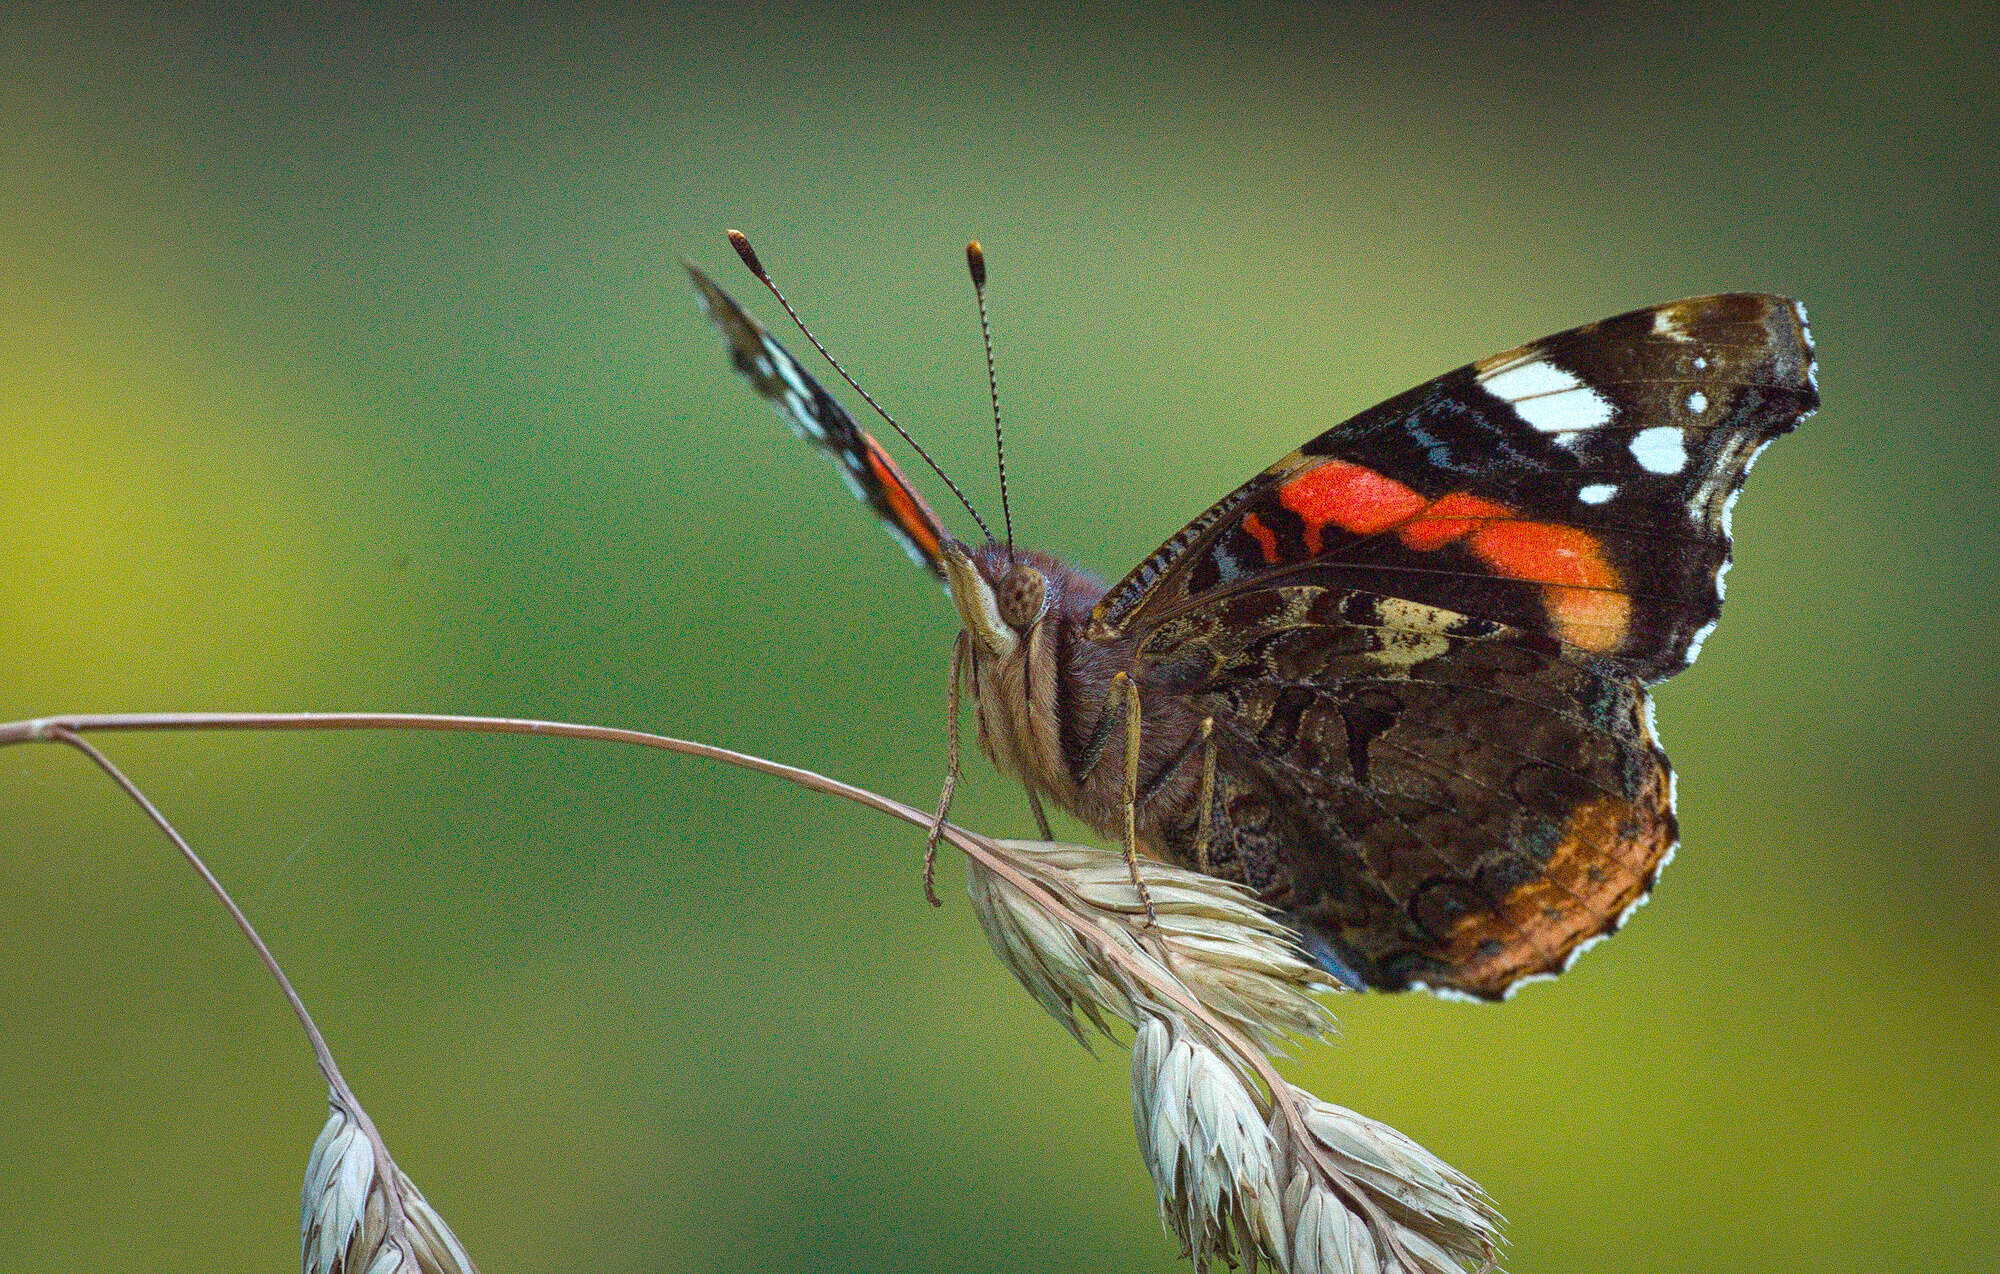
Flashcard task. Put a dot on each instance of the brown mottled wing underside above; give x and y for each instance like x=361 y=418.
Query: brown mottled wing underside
x=1436 y=800
x=1425 y=638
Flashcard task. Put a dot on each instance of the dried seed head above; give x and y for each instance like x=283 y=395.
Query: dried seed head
x=347 y=1222
x=1427 y=1217
x=1064 y=974
x=1238 y=959
x=1203 y=1138
x=1210 y=936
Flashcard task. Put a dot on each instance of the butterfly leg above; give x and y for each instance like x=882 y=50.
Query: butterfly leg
x=1206 y=797
x=1122 y=684
x=961 y=654
x=1041 y=815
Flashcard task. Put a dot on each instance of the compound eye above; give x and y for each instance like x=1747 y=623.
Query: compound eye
x=1022 y=596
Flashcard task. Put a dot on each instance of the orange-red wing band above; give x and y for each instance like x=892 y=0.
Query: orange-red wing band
x=1350 y=497
x=1580 y=586
x=1451 y=518
x=1266 y=538
x=910 y=514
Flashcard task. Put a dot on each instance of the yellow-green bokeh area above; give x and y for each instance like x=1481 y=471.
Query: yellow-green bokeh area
x=345 y=362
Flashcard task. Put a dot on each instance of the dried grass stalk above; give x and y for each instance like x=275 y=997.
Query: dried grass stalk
x=352 y=1222
x=1059 y=969
x=359 y=1213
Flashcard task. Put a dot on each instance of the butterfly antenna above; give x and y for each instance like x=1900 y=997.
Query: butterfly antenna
x=741 y=242
x=975 y=263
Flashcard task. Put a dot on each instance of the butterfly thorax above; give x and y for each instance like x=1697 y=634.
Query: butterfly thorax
x=1044 y=695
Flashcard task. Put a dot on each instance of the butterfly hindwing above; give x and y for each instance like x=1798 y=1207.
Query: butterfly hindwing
x=816 y=416
x=1578 y=486
x=1433 y=799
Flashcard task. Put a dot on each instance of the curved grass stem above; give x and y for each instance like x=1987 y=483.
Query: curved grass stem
x=68 y=730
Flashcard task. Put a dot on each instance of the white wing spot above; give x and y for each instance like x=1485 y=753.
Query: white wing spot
x=1700 y=364
x=1697 y=402
x=1597 y=493
x=1531 y=379
x=798 y=408
x=1667 y=322
x=1659 y=449
x=789 y=372
x=1549 y=398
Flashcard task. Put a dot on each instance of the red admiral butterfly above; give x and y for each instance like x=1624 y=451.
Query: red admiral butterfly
x=1396 y=682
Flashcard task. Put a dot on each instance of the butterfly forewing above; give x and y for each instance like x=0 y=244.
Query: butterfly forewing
x=1578 y=486
x=816 y=416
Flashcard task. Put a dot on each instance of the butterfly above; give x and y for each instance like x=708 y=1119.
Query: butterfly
x=1397 y=683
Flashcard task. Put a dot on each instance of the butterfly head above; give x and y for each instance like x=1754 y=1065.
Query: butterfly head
x=1000 y=597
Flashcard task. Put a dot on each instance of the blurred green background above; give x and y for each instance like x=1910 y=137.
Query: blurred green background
x=346 y=362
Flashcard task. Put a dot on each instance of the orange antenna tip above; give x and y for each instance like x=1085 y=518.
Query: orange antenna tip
x=741 y=242
x=975 y=261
